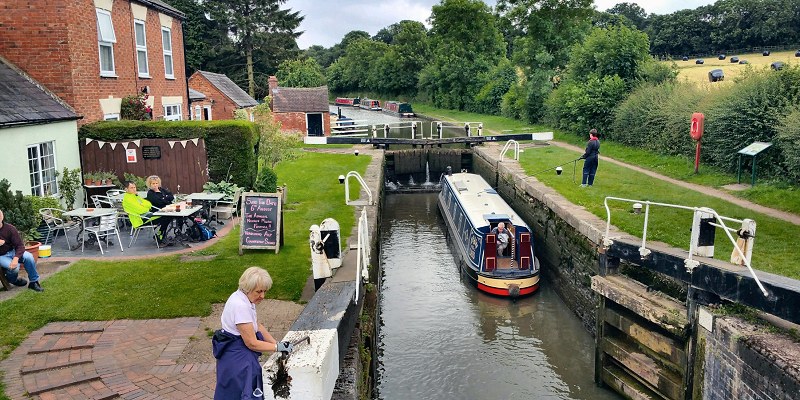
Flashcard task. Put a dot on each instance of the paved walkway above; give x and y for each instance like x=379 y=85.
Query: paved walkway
x=783 y=215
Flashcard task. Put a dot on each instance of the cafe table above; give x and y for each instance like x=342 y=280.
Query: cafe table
x=84 y=214
x=179 y=211
x=206 y=199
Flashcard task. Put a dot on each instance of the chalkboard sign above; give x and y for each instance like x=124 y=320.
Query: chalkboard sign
x=151 y=152
x=261 y=221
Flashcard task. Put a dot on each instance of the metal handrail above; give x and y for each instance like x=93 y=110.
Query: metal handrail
x=354 y=174
x=508 y=146
x=690 y=263
x=363 y=251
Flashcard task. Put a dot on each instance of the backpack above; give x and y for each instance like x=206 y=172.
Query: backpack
x=206 y=232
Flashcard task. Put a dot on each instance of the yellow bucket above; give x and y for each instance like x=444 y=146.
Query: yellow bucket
x=45 y=251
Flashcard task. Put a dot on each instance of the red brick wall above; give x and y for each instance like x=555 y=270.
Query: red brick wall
x=55 y=41
x=296 y=121
x=223 y=107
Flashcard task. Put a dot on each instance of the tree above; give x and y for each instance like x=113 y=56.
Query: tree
x=273 y=145
x=205 y=39
x=611 y=51
x=406 y=56
x=256 y=25
x=304 y=73
x=466 y=45
x=632 y=12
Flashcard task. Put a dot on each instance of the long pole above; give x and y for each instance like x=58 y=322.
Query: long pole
x=697 y=158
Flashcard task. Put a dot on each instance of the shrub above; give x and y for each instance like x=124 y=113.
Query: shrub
x=68 y=185
x=229 y=188
x=135 y=108
x=229 y=144
x=490 y=97
x=788 y=139
x=140 y=181
x=18 y=211
x=578 y=107
x=267 y=181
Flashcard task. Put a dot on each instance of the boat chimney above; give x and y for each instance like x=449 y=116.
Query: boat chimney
x=449 y=170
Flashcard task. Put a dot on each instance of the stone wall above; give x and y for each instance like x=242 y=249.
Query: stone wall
x=745 y=361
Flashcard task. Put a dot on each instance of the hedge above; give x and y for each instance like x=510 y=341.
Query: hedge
x=227 y=142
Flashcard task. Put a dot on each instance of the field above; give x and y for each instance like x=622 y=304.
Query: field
x=699 y=73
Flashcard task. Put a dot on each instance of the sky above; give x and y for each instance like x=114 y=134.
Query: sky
x=327 y=21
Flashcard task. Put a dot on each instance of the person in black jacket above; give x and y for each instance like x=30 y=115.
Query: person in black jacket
x=159 y=197
x=591 y=156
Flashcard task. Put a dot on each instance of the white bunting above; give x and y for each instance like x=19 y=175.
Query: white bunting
x=136 y=142
x=195 y=140
x=171 y=143
x=101 y=143
x=183 y=143
x=89 y=140
x=125 y=145
x=113 y=145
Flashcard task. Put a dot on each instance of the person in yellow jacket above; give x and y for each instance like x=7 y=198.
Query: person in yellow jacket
x=138 y=207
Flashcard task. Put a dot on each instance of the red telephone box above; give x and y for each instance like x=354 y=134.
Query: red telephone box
x=696 y=131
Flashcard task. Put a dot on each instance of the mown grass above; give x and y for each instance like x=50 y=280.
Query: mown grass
x=773 y=252
x=166 y=287
x=698 y=73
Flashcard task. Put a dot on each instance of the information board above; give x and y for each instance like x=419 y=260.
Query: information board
x=261 y=221
x=151 y=152
x=755 y=148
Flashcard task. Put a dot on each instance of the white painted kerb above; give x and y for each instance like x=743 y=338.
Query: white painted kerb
x=313 y=367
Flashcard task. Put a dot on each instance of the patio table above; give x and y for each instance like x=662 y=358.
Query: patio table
x=206 y=199
x=179 y=215
x=83 y=214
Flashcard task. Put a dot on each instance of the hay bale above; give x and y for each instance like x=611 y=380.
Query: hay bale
x=744 y=62
x=699 y=61
x=776 y=66
x=716 y=75
x=687 y=58
x=797 y=53
x=734 y=60
x=765 y=53
x=722 y=56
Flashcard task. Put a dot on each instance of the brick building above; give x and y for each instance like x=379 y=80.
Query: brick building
x=91 y=54
x=303 y=110
x=217 y=97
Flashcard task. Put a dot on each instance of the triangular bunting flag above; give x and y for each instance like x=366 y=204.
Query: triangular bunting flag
x=113 y=145
x=89 y=140
x=125 y=145
x=101 y=143
x=183 y=143
x=136 y=142
x=171 y=143
x=195 y=140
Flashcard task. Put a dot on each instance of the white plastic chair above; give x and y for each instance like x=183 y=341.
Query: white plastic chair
x=227 y=207
x=106 y=226
x=148 y=224
x=55 y=224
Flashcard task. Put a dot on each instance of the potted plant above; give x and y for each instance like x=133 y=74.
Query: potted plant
x=108 y=177
x=88 y=178
x=68 y=185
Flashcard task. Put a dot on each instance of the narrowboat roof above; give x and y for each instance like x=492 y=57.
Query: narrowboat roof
x=480 y=201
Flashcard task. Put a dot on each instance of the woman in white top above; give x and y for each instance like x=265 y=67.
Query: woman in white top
x=242 y=339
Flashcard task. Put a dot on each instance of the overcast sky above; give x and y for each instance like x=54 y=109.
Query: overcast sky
x=327 y=21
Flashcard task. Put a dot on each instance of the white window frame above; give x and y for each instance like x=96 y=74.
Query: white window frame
x=198 y=113
x=167 y=53
x=111 y=117
x=141 y=48
x=39 y=174
x=209 y=113
x=172 y=112
x=105 y=39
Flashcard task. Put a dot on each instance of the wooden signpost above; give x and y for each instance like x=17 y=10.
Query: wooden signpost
x=261 y=221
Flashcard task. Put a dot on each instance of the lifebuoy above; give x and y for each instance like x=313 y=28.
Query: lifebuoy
x=696 y=130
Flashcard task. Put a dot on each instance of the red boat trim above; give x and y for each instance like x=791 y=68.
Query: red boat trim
x=504 y=292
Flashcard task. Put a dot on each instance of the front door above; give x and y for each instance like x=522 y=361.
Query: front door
x=314 y=123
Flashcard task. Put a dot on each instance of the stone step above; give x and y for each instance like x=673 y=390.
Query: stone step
x=53 y=384
x=50 y=366
x=644 y=368
x=72 y=340
x=621 y=382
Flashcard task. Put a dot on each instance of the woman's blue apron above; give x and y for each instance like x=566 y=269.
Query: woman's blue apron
x=238 y=371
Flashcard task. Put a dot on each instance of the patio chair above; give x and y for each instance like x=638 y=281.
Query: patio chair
x=114 y=192
x=227 y=207
x=55 y=224
x=105 y=227
x=101 y=201
x=148 y=224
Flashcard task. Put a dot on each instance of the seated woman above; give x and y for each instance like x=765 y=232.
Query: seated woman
x=137 y=207
x=160 y=197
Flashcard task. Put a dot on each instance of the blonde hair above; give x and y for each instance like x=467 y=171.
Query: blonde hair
x=151 y=179
x=253 y=278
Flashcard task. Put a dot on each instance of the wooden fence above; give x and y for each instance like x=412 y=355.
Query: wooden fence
x=176 y=162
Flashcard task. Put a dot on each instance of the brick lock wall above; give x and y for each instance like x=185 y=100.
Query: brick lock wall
x=55 y=41
x=223 y=107
x=743 y=362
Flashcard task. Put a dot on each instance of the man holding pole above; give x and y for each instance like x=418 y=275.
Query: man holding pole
x=591 y=157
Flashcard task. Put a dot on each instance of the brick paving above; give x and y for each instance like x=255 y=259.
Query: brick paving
x=122 y=359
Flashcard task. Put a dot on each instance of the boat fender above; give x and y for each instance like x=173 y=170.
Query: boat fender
x=513 y=291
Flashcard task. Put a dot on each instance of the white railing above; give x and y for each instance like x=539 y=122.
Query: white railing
x=386 y=128
x=507 y=146
x=363 y=252
x=689 y=262
x=354 y=174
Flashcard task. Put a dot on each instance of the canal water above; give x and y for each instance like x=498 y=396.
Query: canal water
x=442 y=339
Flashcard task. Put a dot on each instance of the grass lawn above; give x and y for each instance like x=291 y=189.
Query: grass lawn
x=773 y=252
x=167 y=287
x=698 y=73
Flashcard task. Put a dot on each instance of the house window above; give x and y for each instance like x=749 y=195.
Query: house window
x=172 y=112
x=141 y=49
x=197 y=113
x=111 y=117
x=166 y=41
x=106 y=40
x=42 y=167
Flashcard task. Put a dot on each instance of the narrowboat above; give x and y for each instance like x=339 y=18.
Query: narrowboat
x=347 y=101
x=373 y=105
x=398 y=109
x=472 y=210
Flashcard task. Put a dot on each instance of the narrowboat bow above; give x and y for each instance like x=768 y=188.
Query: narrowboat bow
x=472 y=210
